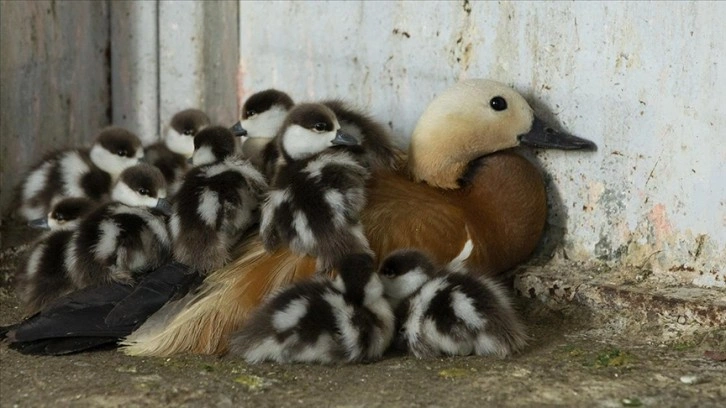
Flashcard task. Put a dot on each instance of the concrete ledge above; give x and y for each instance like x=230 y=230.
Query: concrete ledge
x=634 y=308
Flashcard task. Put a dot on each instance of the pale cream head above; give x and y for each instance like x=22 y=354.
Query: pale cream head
x=463 y=123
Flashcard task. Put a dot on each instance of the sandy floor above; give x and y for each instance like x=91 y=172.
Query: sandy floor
x=567 y=364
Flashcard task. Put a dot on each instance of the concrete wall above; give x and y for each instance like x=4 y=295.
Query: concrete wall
x=54 y=81
x=642 y=80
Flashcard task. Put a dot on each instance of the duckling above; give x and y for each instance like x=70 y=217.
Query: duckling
x=217 y=202
x=65 y=213
x=443 y=311
x=124 y=238
x=79 y=172
x=469 y=181
x=171 y=155
x=42 y=275
x=262 y=115
x=318 y=191
x=321 y=320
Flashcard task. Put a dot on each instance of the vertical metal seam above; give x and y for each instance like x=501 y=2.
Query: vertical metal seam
x=158 y=70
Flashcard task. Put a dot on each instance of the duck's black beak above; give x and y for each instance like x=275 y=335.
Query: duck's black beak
x=543 y=136
x=164 y=206
x=238 y=130
x=190 y=161
x=344 y=139
x=40 y=223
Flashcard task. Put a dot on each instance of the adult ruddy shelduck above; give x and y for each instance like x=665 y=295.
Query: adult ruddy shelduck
x=463 y=181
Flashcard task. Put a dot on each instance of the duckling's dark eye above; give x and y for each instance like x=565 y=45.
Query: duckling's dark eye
x=188 y=132
x=387 y=272
x=144 y=191
x=320 y=127
x=58 y=216
x=498 y=103
x=122 y=153
x=250 y=113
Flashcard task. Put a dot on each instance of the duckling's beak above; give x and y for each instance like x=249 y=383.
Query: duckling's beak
x=543 y=136
x=190 y=160
x=344 y=139
x=164 y=206
x=40 y=223
x=238 y=130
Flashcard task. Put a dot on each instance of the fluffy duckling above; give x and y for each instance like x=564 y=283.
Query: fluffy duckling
x=216 y=203
x=124 y=238
x=318 y=191
x=171 y=155
x=321 y=320
x=42 y=275
x=65 y=213
x=448 y=312
x=262 y=115
x=79 y=172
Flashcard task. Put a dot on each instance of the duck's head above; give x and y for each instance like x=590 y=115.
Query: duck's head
x=142 y=185
x=115 y=150
x=211 y=145
x=65 y=214
x=309 y=129
x=403 y=272
x=262 y=114
x=471 y=119
x=184 y=126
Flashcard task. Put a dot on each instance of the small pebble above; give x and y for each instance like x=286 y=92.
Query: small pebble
x=690 y=379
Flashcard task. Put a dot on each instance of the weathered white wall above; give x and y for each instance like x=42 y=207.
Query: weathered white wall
x=645 y=81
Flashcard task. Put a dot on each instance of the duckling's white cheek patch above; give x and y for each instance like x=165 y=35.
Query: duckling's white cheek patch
x=265 y=124
x=299 y=142
x=111 y=163
x=202 y=156
x=180 y=143
x=72 y=167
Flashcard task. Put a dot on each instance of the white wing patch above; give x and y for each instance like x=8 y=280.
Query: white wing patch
x=290 y=316
x=208 y=207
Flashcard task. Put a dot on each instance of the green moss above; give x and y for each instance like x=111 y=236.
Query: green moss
x=613 y=357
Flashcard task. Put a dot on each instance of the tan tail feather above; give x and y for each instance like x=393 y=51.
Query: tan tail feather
x=221 y=306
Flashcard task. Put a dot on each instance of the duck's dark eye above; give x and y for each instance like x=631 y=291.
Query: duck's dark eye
x=188 y=132
x=250 y=113
x=144 y=191
x=320 y=127
x=498 y=103
x=122 y=153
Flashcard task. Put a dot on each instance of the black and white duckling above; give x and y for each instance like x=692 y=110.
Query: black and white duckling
x=321 y=320
x=125 y=238
x=65 y=213
x=318 y=191
x=262 y=115
x=171 y=155
x=42 y=275
x=447 y=312
x=217 y=202
x=79 y=172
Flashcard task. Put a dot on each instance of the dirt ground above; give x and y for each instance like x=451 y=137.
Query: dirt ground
x=568 y=363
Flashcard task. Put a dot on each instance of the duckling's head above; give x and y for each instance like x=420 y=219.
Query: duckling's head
x=403 y=272
x=184 y=126
x=356 y=279
x=263 y=113
x=211 y=145
x=309 y=129
x=471 y=119
x=142 y=185
x=115 y=150
x=65 y=214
